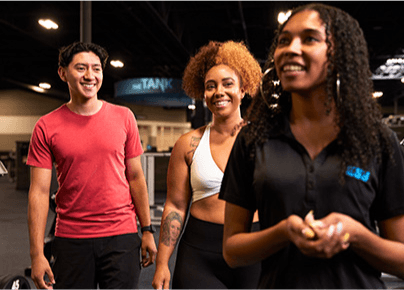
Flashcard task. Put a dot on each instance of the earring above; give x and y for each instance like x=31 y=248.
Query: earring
x=274 y=89
x=338 y=89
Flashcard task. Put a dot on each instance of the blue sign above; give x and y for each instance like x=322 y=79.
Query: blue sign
x=153 y=92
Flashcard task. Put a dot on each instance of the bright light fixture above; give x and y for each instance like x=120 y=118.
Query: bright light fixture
x=45 y=86
x=283 y=16
x=377 y=95
x=116 y=63
x=37 y=89
x=48 y=24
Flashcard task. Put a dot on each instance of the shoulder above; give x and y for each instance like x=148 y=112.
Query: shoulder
x=187 y=143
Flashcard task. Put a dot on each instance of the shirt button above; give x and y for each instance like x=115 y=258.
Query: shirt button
x=311 y=168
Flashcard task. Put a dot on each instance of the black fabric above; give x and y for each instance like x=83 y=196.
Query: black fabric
x=200 y=263
x=283 y=180
x=106 y=263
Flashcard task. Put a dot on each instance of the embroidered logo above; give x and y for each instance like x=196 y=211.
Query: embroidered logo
x=358 y=173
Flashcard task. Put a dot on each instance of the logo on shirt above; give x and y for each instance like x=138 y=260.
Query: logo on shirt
x=358 y=173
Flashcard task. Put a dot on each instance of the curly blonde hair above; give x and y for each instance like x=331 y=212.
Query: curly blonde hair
x=233 y=54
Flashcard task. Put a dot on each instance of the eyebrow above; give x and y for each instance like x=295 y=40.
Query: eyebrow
x=223 y=80
x=307 y=30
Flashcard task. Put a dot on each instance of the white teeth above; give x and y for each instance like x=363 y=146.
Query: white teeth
x=88 y=85
x=222 y=103
x=292 y=68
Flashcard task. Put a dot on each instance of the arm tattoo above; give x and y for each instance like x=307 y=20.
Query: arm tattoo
x=171 y=229
x=194 y=143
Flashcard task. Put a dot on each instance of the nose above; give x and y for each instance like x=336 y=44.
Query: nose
x=294 y=47
x=89 y=74
x=219 y=91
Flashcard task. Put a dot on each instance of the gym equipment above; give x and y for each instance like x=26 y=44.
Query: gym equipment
x=3 y=169
x=16 y=282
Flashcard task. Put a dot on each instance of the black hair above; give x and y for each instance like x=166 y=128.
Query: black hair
x=67 y=53
x=362 y=135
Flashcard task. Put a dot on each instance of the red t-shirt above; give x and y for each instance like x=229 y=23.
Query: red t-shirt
x=89 y=152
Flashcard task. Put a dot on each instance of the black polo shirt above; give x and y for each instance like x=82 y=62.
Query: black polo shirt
x=283 y=180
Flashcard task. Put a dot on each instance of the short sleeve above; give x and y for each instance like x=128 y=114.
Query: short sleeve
x=133 y=146
x=39 y=153
x=390 y=199
x=237 y=180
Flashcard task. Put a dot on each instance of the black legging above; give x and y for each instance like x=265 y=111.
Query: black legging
x=200 y=262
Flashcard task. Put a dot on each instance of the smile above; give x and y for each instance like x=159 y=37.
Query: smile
x=221 y=103
x=88 y=86
x=292 y=68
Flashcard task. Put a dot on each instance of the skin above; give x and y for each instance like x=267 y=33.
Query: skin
x=302 y=44
x=84 y=78
x=223 y=95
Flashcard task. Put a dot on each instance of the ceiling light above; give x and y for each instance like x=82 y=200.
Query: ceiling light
x=45 y=86
x=37 y=89
x=48 y=24
x=283 y=16
x=116 y=63
x=377 y=95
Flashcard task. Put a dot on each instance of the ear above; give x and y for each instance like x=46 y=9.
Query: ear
x=62 y=73
x=243 y=93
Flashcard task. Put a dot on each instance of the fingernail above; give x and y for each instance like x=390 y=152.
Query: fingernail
x=318 y=224
x=346 y=237
x=331 y=230
x=339 y=227
x=308 y=233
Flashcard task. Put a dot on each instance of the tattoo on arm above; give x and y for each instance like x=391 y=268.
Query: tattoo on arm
x=171 y=229
x=194 y=143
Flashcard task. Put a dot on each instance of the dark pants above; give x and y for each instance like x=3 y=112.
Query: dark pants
x=110 y=262
x=200 y=263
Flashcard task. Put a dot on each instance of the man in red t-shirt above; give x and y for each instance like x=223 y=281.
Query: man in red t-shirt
x=96 y=149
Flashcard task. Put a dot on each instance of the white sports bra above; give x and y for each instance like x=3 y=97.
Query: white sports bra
x=206 y=176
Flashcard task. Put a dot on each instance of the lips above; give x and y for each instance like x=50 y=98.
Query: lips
x=88 y=86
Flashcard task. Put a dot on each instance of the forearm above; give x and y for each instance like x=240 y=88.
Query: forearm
x=383 y=254
x=37 y=217
x=172 y=224
x=140 y=199
x=245 y=249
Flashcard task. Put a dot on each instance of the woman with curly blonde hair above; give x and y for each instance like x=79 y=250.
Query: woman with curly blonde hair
x=221 y=73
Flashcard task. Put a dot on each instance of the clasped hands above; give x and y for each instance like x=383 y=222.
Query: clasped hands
x=322 y=238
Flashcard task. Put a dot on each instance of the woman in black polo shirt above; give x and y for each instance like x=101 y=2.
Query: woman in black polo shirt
x=324 y=173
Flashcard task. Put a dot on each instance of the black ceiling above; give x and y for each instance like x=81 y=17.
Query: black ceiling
x=156 y=38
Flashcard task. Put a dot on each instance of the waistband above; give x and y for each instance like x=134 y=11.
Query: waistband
x=206 y=235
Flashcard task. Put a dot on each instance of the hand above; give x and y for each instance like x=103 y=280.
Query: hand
x=39 y=267
x=161 y=278
x=149 y=250
x=326 y=237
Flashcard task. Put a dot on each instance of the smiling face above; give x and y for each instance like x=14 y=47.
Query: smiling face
x=83 y=75
x=223 y=92
x=301 y=54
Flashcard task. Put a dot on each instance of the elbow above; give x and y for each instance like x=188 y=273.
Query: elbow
x=231 y=260
x=232 y=263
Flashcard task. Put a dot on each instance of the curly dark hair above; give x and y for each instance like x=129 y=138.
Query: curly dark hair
x=233 y=54
x=361 y=137
x=67 y=53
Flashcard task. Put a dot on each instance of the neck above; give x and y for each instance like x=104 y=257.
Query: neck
x=85 y=107
x=311 y=108
x=228 y=126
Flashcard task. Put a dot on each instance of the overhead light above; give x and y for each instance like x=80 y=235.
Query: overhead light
x=48 y=24
x=377 y=95
x=45 y=86
x=116 y=63
x=283 y=16
x=37 y=89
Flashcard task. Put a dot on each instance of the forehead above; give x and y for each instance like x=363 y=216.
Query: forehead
x=304 y=20
x=221 y=71
x=87 y=57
